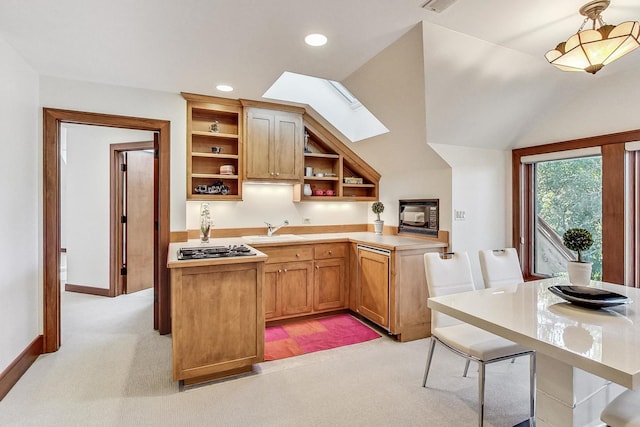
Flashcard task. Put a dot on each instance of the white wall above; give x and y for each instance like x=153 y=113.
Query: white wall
x=481 y=184
x=600 y=104
x=20 y=224
x=83 y=96
x=391 y=85
x=272 y=203
x=86 y=205
x=251 y=212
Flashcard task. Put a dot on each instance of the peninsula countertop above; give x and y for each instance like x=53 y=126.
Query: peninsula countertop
x=391 y=242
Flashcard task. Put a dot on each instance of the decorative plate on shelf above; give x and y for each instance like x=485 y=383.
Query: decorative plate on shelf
x=588 y=297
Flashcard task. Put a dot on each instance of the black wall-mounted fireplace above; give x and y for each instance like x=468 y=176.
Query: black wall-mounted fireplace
x=419 y=216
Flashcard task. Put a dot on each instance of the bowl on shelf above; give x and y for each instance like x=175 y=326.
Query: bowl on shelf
x=227 y=170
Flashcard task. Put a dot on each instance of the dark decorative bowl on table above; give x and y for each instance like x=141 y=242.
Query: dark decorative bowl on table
x=589 y=297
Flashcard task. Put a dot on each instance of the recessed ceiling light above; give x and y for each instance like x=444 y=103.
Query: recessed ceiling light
x=316 y=40
x=224 y=88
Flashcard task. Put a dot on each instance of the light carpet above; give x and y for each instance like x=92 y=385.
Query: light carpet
x=114 y=370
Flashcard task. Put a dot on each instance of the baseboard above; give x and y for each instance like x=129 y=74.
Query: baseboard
x=10 y=376
x=103 y=292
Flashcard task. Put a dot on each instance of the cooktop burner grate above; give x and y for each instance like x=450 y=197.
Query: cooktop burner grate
x=214 y=252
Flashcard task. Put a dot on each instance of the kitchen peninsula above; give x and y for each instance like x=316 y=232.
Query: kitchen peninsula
x=219 y=306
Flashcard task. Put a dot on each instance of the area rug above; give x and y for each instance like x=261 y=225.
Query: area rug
x=307 y=336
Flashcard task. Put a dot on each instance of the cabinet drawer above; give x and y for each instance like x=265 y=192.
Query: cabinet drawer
x=288 y=253
x=330 y=250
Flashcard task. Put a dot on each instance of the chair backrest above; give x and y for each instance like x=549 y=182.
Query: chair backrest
x=447 y=276
x=500 y=268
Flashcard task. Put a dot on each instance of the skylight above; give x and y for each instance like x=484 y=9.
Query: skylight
x=330 y=99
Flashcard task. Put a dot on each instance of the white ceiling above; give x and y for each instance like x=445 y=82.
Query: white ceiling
x=192 y=45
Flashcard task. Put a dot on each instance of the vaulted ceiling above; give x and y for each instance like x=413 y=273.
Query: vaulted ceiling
x=490 y=52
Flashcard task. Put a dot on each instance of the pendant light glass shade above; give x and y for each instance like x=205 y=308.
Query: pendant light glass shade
x=590 y=50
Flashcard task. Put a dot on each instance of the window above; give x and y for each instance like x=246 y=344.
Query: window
x=545 y=195
x=567 y=194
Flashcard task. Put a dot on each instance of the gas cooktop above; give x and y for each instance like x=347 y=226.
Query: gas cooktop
x=214 y=252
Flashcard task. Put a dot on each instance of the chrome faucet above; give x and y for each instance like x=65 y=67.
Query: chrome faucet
x=271 y=229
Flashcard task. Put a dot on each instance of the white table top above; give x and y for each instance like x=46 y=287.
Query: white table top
x=604 y=342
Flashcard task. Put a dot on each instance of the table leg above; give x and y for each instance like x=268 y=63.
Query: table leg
x=568 y=396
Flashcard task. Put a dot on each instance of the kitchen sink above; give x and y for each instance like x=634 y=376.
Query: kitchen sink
x=276 y=238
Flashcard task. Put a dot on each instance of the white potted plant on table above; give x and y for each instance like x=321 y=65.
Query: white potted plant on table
x=378 y=224
x=578 y=240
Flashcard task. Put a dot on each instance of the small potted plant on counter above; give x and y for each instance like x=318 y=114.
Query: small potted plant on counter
x=378 y=224
x=578 y=240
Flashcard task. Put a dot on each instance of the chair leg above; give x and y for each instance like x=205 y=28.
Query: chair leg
x=481 y=393
x=532 y=389
x=466 y=368
x=432 y=346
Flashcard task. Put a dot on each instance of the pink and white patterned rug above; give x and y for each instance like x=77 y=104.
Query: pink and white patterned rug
x=312 y=335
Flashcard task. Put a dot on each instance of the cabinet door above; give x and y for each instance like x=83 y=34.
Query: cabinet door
x=372 y=287
x=295 y=280
x=270 y=291
x=329 y=284
x=218 y=320
x=287 y=146
x=274 y=147
x=259 y=136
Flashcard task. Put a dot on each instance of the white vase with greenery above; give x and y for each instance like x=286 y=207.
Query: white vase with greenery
x=578 y=240
x=378 y=224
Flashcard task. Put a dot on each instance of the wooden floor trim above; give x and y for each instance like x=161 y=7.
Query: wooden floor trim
x=103 y=292
x=10 y=376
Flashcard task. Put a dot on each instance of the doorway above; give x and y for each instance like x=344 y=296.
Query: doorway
x=52 y=120
x=133 y=216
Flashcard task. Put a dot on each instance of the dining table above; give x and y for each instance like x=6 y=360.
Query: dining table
x=585 y=356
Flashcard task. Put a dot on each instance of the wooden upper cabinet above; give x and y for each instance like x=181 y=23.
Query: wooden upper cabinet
x=231 y=140
x=214 y=148
x=274 y=148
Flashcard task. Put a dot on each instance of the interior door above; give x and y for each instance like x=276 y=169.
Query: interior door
x=139 y=226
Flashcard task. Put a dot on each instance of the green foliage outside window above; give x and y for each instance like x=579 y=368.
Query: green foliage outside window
x=569 y=195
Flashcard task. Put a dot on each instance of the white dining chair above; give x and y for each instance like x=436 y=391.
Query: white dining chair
x=623 y=411
x=452 y=274
x=500 y=268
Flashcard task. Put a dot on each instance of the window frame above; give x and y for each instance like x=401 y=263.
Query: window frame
x=615 y=162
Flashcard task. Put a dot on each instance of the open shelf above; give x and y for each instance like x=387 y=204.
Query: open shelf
x=325 y=154
x=213 y=141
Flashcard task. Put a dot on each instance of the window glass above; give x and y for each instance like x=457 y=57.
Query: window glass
x=568 y=194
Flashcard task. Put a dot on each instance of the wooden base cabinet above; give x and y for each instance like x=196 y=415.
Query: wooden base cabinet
x=372 y=286
x=391 y=290
x=305 y=279
x=288 y=289
x=217 y=320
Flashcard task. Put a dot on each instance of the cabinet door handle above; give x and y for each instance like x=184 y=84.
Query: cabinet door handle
x=277 y=173
x=297 y=255
x=330 y=252
x=285 y=270
x=317 y=267
x=279 y=271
